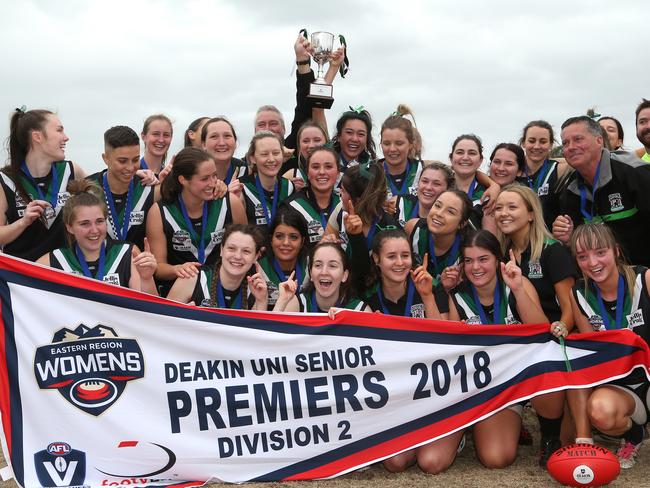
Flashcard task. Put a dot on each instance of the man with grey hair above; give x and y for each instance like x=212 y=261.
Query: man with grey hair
x=604 y=188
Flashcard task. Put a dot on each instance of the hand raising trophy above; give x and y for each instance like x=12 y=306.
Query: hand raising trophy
x=320 y=92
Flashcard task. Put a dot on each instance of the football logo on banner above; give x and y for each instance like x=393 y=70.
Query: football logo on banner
x=89 y=366
x=60 y=465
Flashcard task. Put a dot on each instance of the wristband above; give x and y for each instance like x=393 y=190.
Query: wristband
x=303 y=62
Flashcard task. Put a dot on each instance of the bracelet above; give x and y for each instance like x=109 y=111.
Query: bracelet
x=303 y=62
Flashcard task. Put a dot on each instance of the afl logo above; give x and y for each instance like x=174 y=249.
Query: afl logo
x=89 y=366
x=59 y=448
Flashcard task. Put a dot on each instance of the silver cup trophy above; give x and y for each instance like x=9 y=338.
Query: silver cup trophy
x=320 y=93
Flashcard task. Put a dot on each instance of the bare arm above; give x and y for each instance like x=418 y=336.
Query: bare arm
x=453 y=313
x=528 y=306
x=182 y=289
x=158 y=243
x=238 y=209
x=563 y=293
x=44 y=259
x=580 y=320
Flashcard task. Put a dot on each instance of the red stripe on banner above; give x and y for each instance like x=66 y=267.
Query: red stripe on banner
x=51 y=275
x=127 y=444
x=381 y=321
x=4 y=384
x=549 y=382
x=347 y=317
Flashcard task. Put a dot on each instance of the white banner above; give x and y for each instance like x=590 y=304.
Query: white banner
x=105 y=386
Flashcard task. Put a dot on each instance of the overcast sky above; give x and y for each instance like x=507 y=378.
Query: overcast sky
x=482 y=67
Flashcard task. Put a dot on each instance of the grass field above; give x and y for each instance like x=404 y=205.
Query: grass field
x=465 y=472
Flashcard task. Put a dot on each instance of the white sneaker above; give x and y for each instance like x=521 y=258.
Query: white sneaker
x=627 y=453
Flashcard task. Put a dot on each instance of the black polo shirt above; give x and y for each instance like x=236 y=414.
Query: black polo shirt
x=554 y=265
x=622 y=202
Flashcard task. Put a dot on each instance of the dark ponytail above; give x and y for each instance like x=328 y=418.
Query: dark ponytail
x=21 y=126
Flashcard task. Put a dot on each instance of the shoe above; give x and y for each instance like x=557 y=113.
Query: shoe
x=546 y=449
x=627 y=453
x=525 y=439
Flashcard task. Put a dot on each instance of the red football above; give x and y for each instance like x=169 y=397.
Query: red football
x=583 y=465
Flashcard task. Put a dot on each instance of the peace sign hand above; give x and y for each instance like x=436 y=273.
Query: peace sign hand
x=512 y=273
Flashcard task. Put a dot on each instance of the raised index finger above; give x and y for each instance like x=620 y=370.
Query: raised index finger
x=512 y=256
x=351 y=208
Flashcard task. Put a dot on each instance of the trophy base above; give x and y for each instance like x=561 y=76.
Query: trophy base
x=320 y=95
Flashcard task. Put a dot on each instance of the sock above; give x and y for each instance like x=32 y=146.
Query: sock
x=549 y=428
x=584 y=440
x=635 y=434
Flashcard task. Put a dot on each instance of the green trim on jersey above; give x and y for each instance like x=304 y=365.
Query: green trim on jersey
x=412 y=178
x=420 y=245
x=465 y=301
x=273 y=280
x=250 y=191
x=115 y=253
x=216 y=223
x=590 y=307
x=352 y=304
x=311 y=215
x=139 y=198
x=63 y=175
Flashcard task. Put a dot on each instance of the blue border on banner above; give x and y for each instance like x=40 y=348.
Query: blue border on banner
x=15 y=405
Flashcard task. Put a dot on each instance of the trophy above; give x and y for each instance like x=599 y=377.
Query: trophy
x=320 y=93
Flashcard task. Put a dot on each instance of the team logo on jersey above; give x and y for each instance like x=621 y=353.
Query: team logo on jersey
x=510 y=319
x=417 y=311
x=181 y=241
x=89 y=366
x=542 y=190
x=217 y=236
x=61 y=198
x=473 y=320
x=136 y=217
x=596 y=322
x=535 y=270
x=20 y=201
x=315 y=230
x=635 y=319
x=60 y=465
x=615 y=202
x=260 y=214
